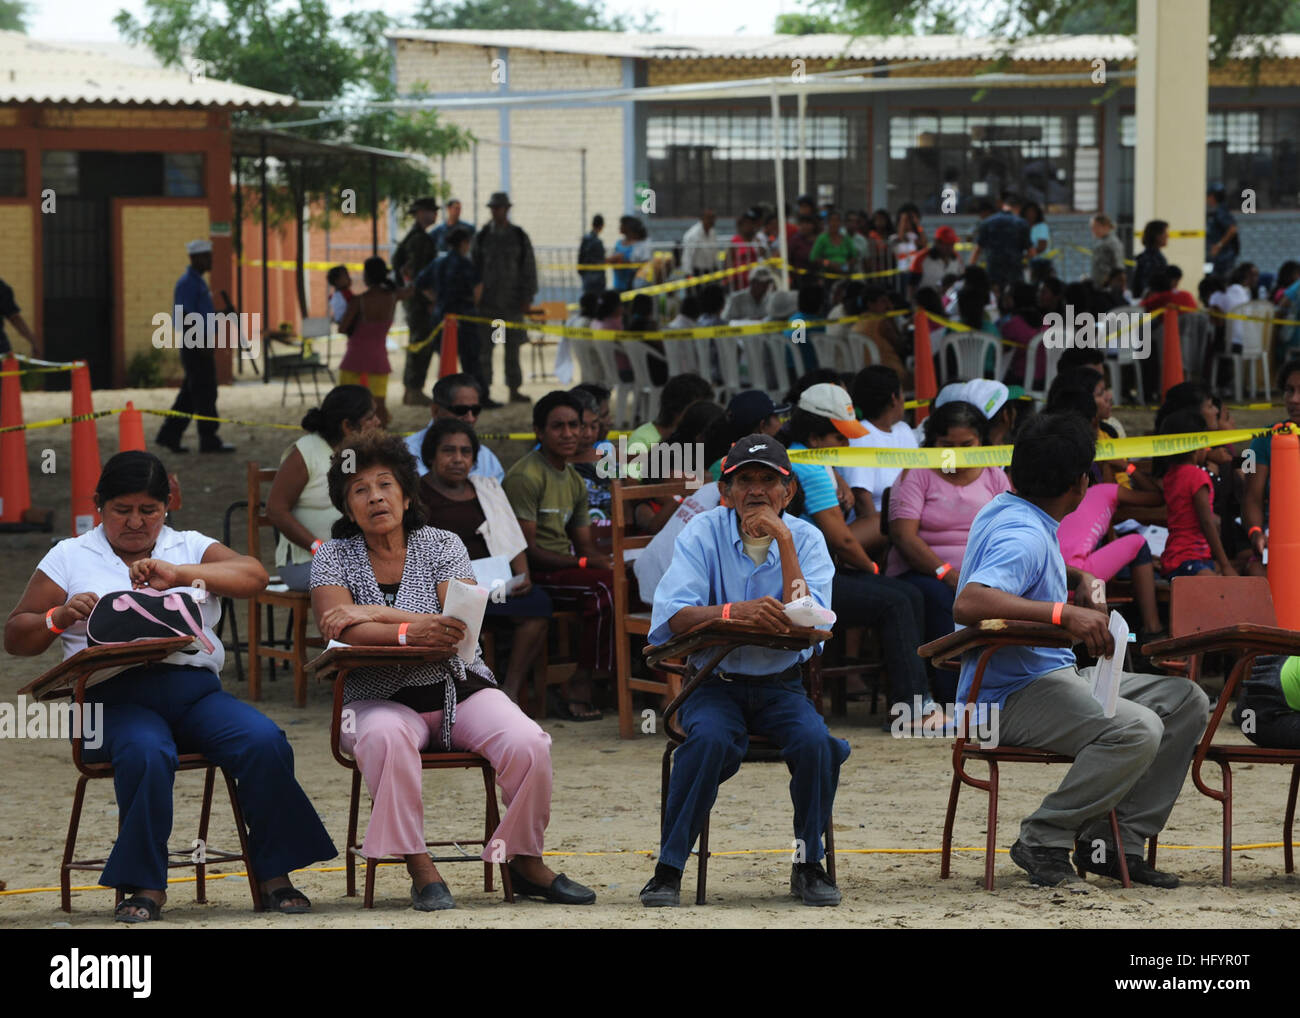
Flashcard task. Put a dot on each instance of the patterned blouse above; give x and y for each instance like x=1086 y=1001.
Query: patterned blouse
x=432 y=556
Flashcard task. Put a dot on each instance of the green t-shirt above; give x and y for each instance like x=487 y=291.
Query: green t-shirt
x=640 y=441
x=839 y=254
x=553 y=499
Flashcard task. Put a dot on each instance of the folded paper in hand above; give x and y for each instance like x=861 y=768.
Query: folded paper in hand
x=467 y=604
x=1108 y=671
x=805 y=611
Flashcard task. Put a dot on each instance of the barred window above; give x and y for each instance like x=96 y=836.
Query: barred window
x=722 y=159
x=1244 y=149
x=1050 y=158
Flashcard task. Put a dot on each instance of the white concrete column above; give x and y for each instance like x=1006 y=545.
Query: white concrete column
x=1172 y=106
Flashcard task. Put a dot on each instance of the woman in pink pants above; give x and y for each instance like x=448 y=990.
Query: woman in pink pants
x=383 y=581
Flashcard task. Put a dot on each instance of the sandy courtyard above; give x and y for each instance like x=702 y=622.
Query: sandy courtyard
x=604 y=822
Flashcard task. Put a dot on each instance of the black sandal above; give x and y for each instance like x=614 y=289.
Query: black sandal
x=280 y=896
x=137 y=901
x=563 y=708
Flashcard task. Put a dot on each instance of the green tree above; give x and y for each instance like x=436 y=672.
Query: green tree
x=13 y=15
x=304 y=50
x=549 y=15
x=1246 y=24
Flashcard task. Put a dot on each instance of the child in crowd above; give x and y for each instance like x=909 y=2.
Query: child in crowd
x=1194 y=544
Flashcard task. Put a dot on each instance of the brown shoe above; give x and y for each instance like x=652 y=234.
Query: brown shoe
x=414 y=397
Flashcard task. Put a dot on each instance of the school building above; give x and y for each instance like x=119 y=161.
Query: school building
x=573 y=123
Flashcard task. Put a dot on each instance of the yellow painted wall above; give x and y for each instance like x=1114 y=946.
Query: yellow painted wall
x=153 y=256
x=18 y=265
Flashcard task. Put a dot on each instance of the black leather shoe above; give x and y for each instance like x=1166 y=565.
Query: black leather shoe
x=809 y=882
x=170 y=447
x=433 y=898
x=661 y=893
x=1048 y=867
x=491 y=404
x=1138 y=870
x=562 y=891
x=221 y=447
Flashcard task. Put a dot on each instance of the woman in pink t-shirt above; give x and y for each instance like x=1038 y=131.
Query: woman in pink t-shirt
x=930 y=513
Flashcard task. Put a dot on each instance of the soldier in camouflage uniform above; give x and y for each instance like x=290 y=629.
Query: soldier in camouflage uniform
x=503 y=255
x=417 y=250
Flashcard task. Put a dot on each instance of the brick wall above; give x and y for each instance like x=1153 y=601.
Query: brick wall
x=546 y=185
x=484 y=124
x=440 y=67
x=532 y=71
x=18 y=264
x=117 y=117
x=153 y=258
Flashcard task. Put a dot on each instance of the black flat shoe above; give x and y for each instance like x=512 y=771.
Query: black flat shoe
x=562 y=891
x=170 y=447
x=433 y=898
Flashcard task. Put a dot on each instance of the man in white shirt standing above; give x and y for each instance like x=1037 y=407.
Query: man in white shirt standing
x=878 y=396
x=700 y=246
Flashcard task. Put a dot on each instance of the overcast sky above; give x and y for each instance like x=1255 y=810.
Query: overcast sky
x=93 y=19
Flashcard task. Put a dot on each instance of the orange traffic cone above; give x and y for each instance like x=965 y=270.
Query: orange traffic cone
x=1284 y=528
x=130 y=430
x=927 y=387
x=1173 y=353
x=15 y=487
x=447 y=358
x=85 y=454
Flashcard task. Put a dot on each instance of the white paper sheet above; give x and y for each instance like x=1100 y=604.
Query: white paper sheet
x=1106 y=676
x=467 y=604
x=486 y=570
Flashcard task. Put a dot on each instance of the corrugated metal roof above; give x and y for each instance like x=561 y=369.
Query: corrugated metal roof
x=32 y=71
x=653 y=46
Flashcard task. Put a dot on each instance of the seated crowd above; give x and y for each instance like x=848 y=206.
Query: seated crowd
x=376 y=526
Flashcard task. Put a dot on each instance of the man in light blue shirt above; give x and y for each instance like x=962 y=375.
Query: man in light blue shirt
x=457 y=396
x=1134 y=762
x=744 y=560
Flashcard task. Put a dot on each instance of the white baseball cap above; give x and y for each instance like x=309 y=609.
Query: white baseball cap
x=834 y=402
x=984 y=394
x=199 y=247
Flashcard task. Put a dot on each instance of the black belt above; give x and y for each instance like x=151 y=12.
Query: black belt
x=793 y=672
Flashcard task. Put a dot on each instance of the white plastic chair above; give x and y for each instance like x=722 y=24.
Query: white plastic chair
x=776 y=381
x=1256 y=348
x=1035 y=386
x=623 y=395
x=680 y=355
x=1120 y=348
x=645 y=401
x=1194 y=332
x=862 y=350
x=728 y=348
x=970 y=351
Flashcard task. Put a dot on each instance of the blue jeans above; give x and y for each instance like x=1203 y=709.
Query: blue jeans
x=718 y=719
x=1191 y=567
x=938 y=598
x=155 y=713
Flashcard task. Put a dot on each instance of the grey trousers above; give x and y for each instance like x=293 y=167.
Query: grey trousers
x=1134 y=763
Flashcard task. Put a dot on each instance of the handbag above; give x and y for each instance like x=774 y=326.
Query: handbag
x=125 y=616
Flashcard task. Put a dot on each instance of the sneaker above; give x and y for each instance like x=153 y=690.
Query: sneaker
x=662 y=892
x=1048 y=867
x=809 y=882
x=1138 y=870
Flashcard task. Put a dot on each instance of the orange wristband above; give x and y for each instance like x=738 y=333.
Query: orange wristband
x=1057 y=610
x=582 y=562
x=316 y=545
x=726 y=610
x=943 y=571
x=401 y=633
x=1253 y=531
x=49 y=621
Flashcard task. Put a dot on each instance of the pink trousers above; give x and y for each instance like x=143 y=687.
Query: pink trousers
x=1082 y=530
x=387 y=742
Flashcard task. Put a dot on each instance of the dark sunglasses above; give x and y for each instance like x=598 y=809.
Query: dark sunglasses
x=461 y=409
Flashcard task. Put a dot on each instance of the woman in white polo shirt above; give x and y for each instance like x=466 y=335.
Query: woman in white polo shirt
x=154 y=712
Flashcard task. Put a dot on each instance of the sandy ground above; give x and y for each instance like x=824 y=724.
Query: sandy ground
x=604 y=822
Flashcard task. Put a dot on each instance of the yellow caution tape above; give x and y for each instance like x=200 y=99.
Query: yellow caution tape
x=594 y=268
x=1143 y=447
x=843 y=275
x=309 y=266
x=1088 y=251
x=1185 y=233
x=54 y=422
x=416 y=347
x=701 y=332
x=708 y=277
x=1216 y=313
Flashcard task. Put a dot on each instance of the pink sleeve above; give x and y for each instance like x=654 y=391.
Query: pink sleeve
x=907 y=498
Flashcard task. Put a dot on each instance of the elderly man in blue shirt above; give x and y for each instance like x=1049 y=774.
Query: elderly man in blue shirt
x=744 y=560
x=198 y=393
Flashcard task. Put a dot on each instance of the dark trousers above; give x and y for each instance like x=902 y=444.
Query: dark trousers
x=198 y=395
x=718 y=719
x=1265 y=717
x=896 y=611
x=513 y=340
x=470 y=351
x=420 y=320
x=591 y=592
x=938 y=598
x=155 y=713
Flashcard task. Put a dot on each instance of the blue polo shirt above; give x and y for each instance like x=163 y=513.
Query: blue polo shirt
x=1013 y=547
x=192 y=294
x=818 y=484
x=710 y=567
